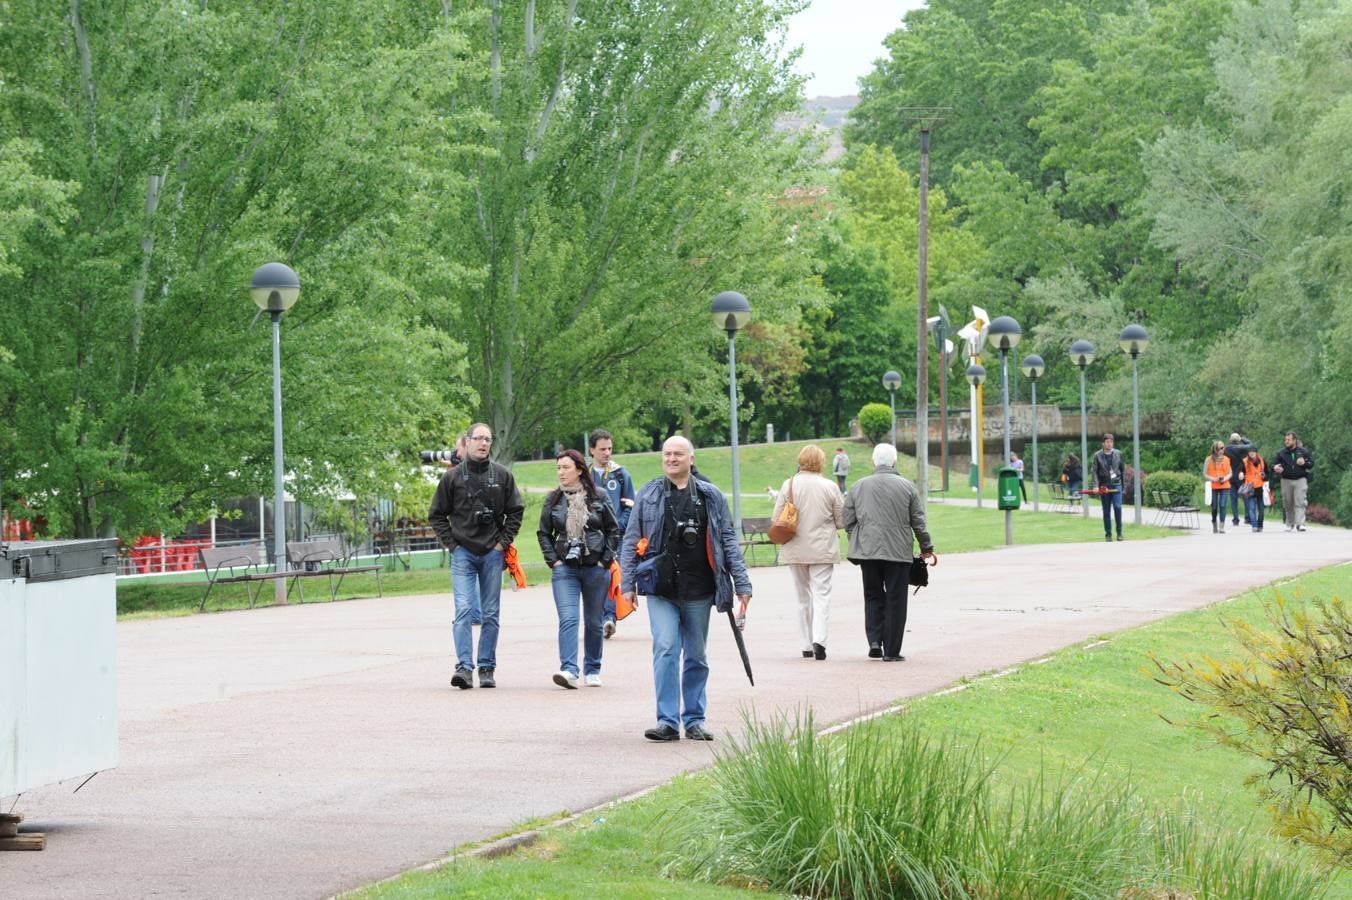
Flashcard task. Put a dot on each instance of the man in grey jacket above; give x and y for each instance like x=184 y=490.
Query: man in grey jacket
x=883 y=517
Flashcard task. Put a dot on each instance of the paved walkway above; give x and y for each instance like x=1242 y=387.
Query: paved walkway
x=303 y=750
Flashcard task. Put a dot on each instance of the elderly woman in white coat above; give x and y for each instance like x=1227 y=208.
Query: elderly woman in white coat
x=813 y=551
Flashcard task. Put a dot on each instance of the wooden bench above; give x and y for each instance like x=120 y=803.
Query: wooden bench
x=756 y=533
x=243 y=564
x=324 y=558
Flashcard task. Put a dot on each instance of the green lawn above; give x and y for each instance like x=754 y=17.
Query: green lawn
x=955 y=529
x=1093 y=706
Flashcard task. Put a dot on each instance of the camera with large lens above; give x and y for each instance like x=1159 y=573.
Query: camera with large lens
x=483 y=516
x=687 y=531
x=575 y=551
x=439 y=456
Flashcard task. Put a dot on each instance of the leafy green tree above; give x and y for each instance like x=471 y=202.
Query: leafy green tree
x=172 y=148
x=634 y=174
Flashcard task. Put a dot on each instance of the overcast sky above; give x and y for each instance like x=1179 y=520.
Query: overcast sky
x=841 y=39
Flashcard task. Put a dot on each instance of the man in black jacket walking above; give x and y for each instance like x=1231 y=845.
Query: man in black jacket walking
x=1235 y=451
x=1293 y=465
x=476 y=514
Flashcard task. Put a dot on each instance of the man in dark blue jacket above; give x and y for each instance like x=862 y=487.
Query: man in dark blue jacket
x=686 y=523
x=614 y=480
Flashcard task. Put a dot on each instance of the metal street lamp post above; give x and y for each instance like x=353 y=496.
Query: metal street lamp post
x=731 y=312
x=1082 y=354
x=274 y=288
x=976 y=376
x=1133 y=341
x=1033 y=367
x=1005 y=332
x=892 y=381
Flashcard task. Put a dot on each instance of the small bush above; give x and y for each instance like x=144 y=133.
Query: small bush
x=1175 y=484
x=1287 y=705
x=1318 y=512
x=882 y=812
x=875 y=420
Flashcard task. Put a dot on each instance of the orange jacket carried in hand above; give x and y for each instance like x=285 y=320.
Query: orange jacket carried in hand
x=513 y=564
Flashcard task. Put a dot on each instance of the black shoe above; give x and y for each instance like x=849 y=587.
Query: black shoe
x=463 y=679
x=662 y=733
x=807 y=654
x=818 y=651
x=1108 y=538
x=698 y=733
x=486 y=679
x=1119 y=536
x=897 y=658
x=875 y=651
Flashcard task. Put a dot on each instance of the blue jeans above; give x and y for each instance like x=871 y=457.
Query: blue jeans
x=590 y=584
x=608 y=607
x=1253 y=508
x=477 y=581
x=680 y=629
x=1235 y=501
x=1112 y=506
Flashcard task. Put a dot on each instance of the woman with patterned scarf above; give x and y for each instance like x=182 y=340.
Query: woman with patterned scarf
x=578 y=536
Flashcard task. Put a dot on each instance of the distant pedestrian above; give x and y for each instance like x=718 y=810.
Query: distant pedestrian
x=1218 y=476
x=1255 y=479
x=885 y=516
x=1017 y=464
x=1295 y=465
x=1072 y=473
x=813 y=551
x=614 y=479
x=1108 y=475
x=840 y=467
x=476 y=513
x=684 y=521
x=1236 y=450
x=579 y=537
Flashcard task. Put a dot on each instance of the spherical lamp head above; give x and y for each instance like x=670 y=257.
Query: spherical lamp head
x=1133 y=340
x=1032 y=367
x=891 y=380
x=976 y=374
x=1082 y=353
x=730 y=311
x=1004 y=332
x=274 y=287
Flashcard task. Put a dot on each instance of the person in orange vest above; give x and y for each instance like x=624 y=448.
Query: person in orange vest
x=1255 y=477
x=1217 y=472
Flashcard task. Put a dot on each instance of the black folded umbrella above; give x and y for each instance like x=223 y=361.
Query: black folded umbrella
x=741 y=647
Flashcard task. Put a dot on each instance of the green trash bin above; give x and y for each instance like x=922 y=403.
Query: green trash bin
x=1008 y=487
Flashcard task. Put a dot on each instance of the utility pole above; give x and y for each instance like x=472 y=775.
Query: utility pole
x=926 y=118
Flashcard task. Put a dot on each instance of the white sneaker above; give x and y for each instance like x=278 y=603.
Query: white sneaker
x=594 y=679
x=565 y=680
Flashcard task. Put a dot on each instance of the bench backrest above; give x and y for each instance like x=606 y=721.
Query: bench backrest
x=319 y=550
x=239 y=557
x=754 y=526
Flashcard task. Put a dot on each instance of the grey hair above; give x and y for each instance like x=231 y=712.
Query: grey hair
x=885 y=455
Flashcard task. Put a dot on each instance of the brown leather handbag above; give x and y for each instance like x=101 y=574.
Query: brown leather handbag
x=785 y=525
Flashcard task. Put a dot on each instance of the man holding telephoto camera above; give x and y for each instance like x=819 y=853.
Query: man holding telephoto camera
x=476 y=514
x=683 y=525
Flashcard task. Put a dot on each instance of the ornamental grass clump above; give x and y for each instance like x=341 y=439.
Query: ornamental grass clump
x=884 y=811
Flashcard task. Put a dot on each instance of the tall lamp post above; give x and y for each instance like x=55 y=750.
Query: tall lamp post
x=1133 y=341
x=892 y=381
x=731 y=312
x=1005 y=332
x=1082 y=354
x=976 y=376
x=1032 y=368
x=274 y=288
